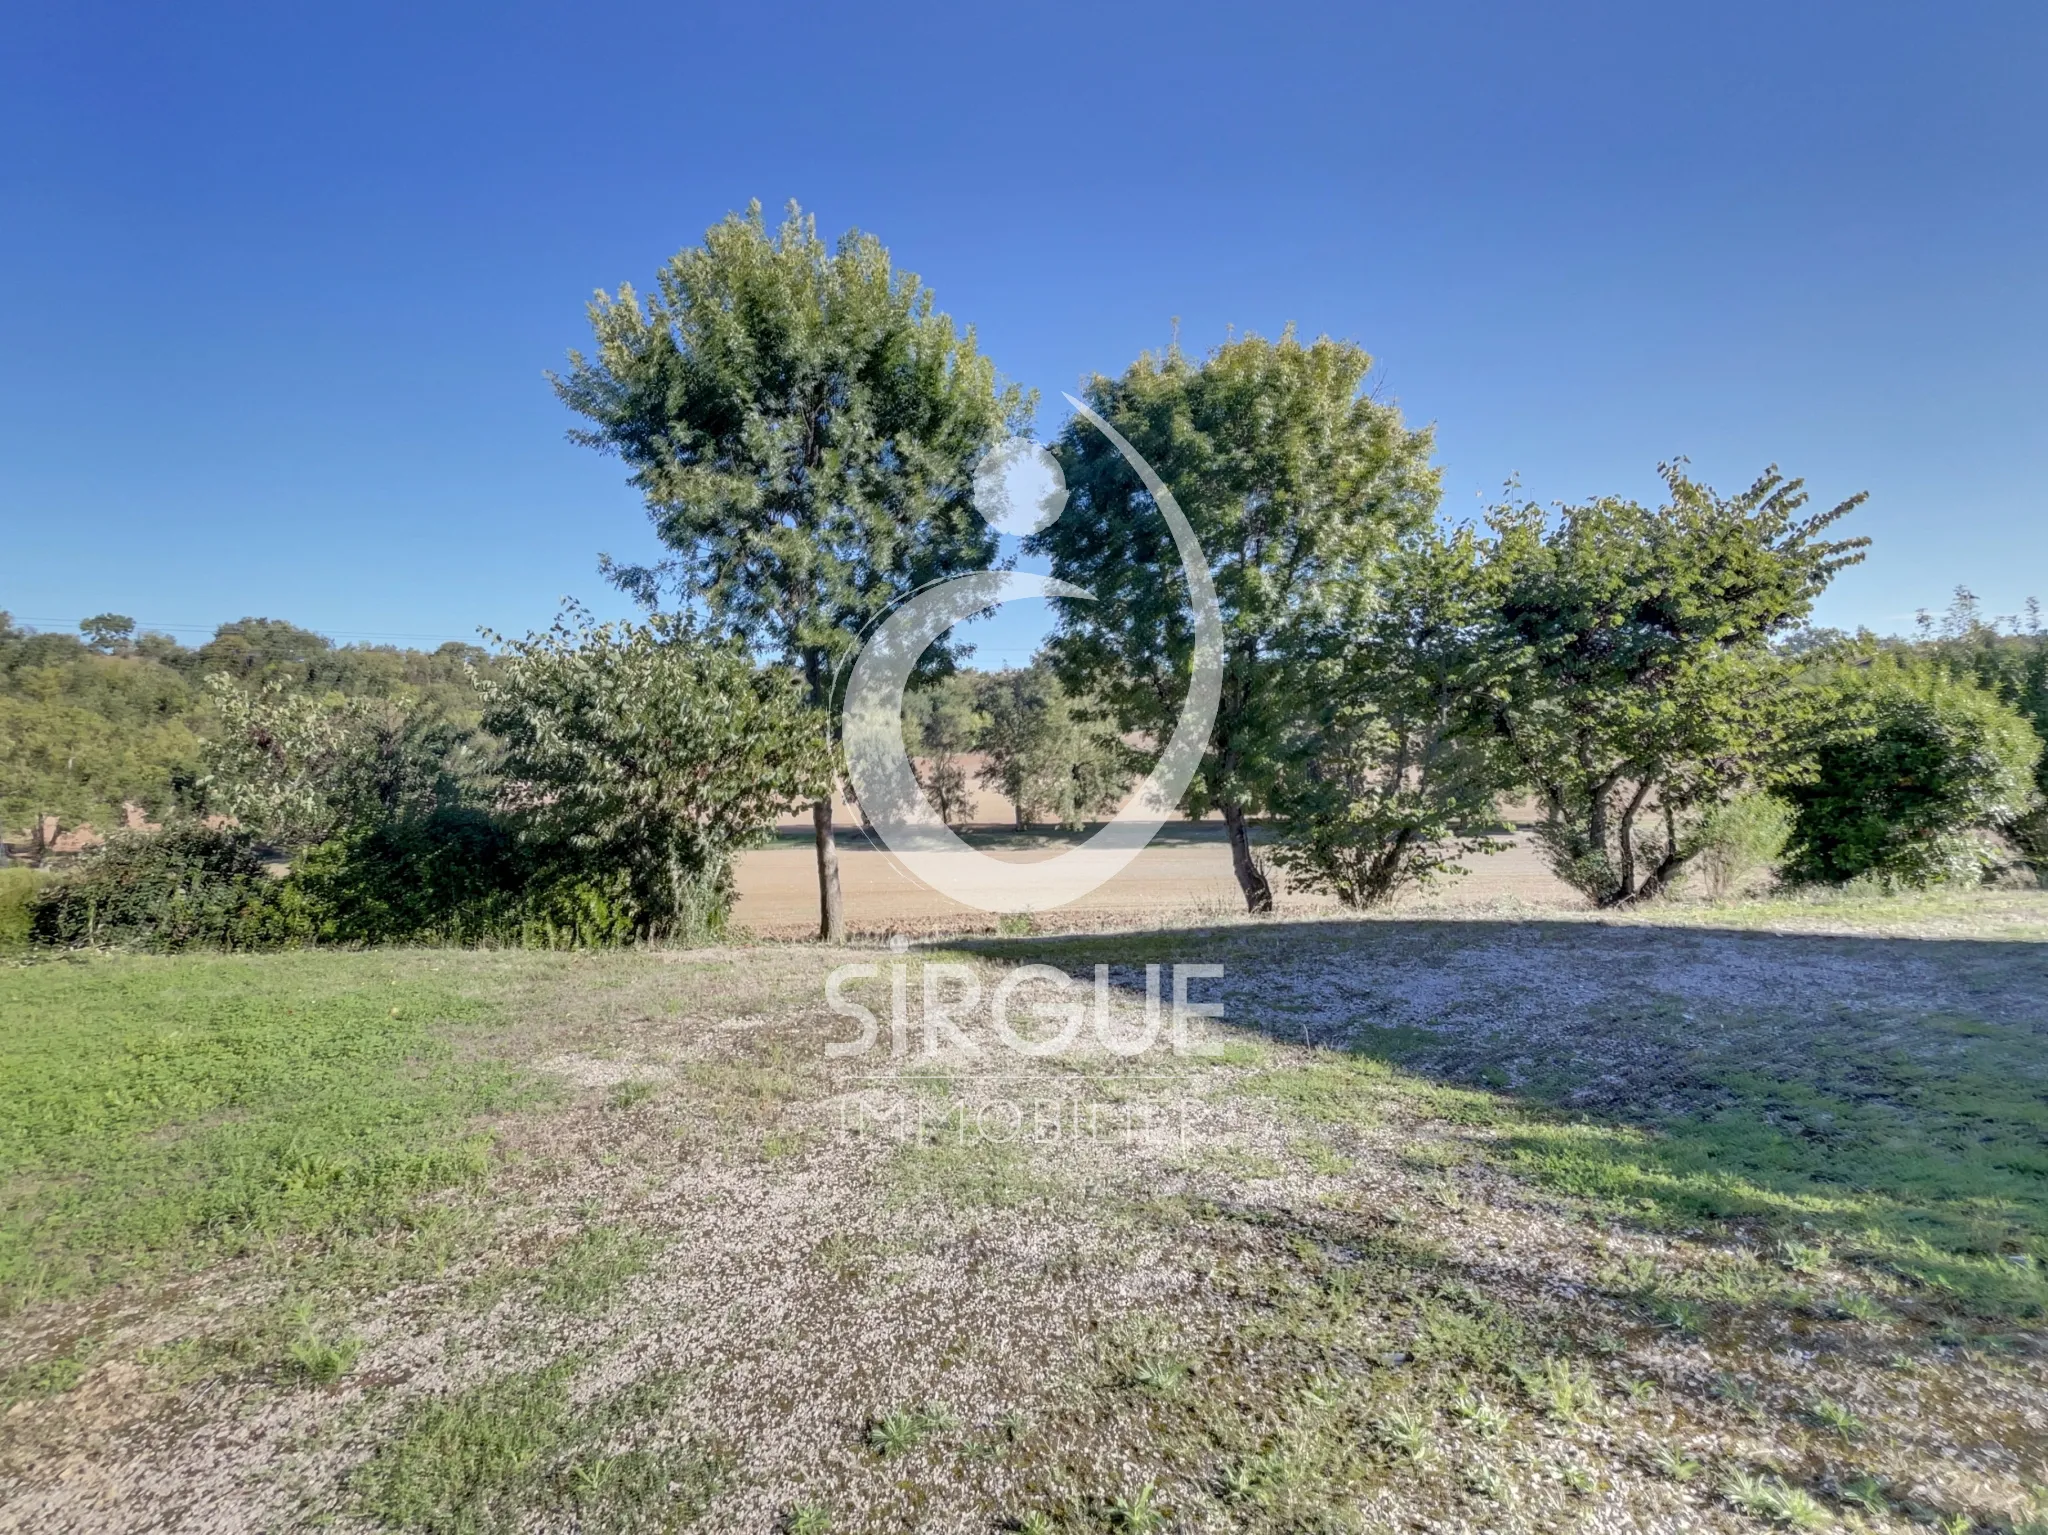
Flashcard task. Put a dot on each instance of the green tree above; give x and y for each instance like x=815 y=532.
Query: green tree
x=286 y=765
x=109 y=633
x=804 y=426
x=941 y=724
x=2010 y=658
x=1294 y=482
x=1055 y=757
x=1386 y=784
x=1633 y=682
x=1916 y=759
x=648 y=748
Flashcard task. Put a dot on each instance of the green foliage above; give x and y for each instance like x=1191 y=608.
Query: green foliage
x=78 y=742
x=18 y=888
x=1055 y=756
x=647 y=749
x=1633 y=687
x=155 y=1110
x=187 y=887
x=1295 y=484
x=1381 y=785
x=1739 y=839
x=941 y=723
x=88 y=725
x=1915 y=760
x=804 y=425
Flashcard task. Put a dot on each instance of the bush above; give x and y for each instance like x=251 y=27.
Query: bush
x=17 y=892
x=459 y=875
x=1920 y=761
x=1740 y=839
x=186 y=887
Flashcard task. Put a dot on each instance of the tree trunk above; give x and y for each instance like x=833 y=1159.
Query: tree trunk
x=831 y=909
x=1251 y=878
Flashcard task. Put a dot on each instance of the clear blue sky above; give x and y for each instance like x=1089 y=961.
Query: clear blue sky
x=280 y=282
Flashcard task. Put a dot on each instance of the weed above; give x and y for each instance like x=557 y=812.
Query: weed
x=1669 y=1460
x=1803 y=1257
x=1565 y=1391
x=1767 y=1497
x=1868 y=1494
x=807 y=1519
x=1158 y=1375
x=1137 y=1512
x=1835 y=1417
x=900 y=1432
x=322 y=1361
x=1737 y=1392
x=1477 y=1413
x=633 y=1092
x=1408 y=1431
x=1859 y=1306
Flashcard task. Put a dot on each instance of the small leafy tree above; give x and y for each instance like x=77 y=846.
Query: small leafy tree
x=804 y=426
x=1294 y=481
x=1054 y=756
x=1387 y=785
x=940 y=725
x=1633 y=684
x=652 y=749
x=286 y=765
x=1917 y=759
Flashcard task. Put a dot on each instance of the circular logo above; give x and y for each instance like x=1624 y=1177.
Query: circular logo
x=1019 y=489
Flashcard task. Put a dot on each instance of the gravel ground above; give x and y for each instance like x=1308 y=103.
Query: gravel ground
x=1291 y=1283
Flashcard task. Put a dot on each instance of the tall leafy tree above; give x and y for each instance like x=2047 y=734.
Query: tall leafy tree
x=1295 y=482
x=804 y=426
x=1634 y=684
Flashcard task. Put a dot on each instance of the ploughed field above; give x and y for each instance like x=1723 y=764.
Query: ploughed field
x=1720 y=1219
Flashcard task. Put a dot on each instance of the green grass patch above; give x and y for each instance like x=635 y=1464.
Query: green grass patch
x=152 y=1109
x=1933 y=1165
x=514 y=1449
x=586 y=1272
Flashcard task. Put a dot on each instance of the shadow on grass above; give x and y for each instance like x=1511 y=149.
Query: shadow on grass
x=1883 y=1100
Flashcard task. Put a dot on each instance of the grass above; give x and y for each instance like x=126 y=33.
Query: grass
x=156 y=1109
x=514 y=1447
x=591 y=1268
x=900 y=1432
x=1486 y=1266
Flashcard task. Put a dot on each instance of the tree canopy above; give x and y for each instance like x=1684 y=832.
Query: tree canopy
x=1295 y=483
x=804 y=425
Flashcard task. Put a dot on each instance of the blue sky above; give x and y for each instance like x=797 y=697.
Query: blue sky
x=278 y=284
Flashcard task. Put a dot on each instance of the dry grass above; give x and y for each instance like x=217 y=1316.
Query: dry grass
x=1473 y=1222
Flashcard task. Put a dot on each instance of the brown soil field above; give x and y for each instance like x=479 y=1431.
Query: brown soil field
x=1185 y=874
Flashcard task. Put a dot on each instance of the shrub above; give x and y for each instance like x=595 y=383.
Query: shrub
x=650 y=750
x=460 y=875
x=1740 y=839
x=17 y=894
x=1919 y=760
x=187 y=887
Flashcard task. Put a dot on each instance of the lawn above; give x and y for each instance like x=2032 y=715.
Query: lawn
x=1727 y=1219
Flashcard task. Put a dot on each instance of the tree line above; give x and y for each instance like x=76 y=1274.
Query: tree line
x=804 y=425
